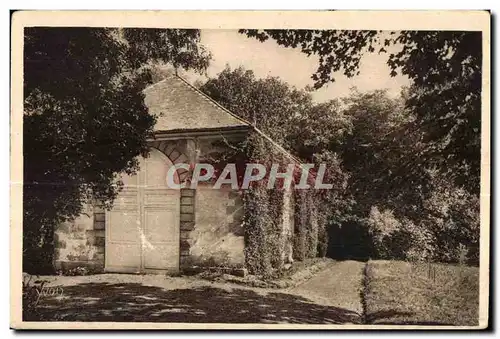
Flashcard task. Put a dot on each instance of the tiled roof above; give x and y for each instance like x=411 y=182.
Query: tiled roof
x=180 y=106
x=183 y=107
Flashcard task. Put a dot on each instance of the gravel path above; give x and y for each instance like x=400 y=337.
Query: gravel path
x=338 y=285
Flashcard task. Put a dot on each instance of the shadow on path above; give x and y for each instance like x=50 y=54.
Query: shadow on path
x=135 y=302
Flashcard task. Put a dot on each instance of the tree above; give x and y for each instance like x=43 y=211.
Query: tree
x=381 y=205
x=270 y=104
x=377 y=152
x=287 y=114
x=85 y=118
x=372 y=152
x=409 y=213
x=445 y=67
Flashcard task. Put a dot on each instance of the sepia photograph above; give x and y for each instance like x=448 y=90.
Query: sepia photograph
x=246 y=169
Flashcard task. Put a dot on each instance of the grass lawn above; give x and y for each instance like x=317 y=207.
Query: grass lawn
x=399 y=292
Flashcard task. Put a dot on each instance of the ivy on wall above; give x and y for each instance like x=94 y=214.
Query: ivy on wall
x=265 y=241
x=263 y=207
x=306 y=237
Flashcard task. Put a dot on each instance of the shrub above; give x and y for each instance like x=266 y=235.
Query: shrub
x=38 y=245
x=312 y=233
x=300 y=232
x=453 y=218
x=310 y=236
x=77 y=271
x=322 y=249
x=447 y=232
x=399 y=239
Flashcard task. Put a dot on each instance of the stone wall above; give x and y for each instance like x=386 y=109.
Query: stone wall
x=218 y=236
x=187 y=225
x=211 y=219
x=81 y=243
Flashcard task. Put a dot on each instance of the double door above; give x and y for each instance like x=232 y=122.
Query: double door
x=142 y=229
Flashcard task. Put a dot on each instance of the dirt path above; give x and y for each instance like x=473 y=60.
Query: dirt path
x=339 y=285
x=330 y=297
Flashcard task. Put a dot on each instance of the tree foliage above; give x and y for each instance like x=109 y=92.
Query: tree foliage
x=378 y=151
x=287 y=114
x=270 y=104
x=382 y=205
x=445 y=68
x=409 y=213
x=85 y=118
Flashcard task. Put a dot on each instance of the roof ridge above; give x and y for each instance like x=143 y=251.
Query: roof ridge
x=212 y=101
x=154 y=84
x=281 y=148
x=216 y=104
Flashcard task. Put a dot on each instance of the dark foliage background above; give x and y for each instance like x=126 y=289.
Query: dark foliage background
x=445 y=68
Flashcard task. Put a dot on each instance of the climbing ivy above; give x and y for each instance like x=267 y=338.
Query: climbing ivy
x=265 y=240
x=262 y=223
x=306 y=237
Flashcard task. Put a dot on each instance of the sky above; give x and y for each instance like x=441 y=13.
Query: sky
x=269 y=59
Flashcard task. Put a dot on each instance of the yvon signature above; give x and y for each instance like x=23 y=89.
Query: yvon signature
x=34 y=290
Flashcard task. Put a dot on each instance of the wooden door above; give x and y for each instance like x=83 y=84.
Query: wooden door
x=142 y=229
x=161 y=216
x=123 y=246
